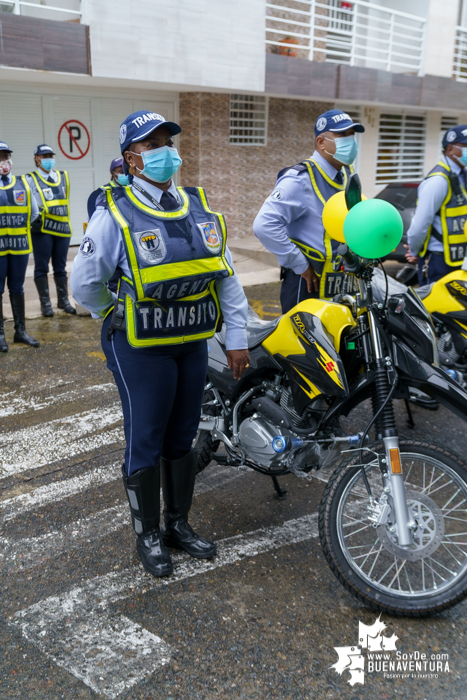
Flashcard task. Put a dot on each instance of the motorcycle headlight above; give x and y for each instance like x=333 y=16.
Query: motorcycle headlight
x=427 y=329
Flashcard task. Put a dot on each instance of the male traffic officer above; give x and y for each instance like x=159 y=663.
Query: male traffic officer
x=17 y=209
x=289 y=223
x=51 y=233
x=117 y=177
x=436 y=235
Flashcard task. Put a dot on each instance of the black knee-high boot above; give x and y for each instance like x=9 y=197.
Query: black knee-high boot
x=178 y=483
x=143 y=492
x=17 y=306
x=42 y=286
x=3 y=345
x=62 y=295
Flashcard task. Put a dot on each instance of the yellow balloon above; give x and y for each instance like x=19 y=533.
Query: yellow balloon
x=334 y=213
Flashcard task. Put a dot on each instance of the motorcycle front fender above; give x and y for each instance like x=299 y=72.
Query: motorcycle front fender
x=412 y=372
x=434 y=381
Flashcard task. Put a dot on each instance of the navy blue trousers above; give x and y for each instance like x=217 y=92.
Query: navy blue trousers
x=161 y=389
x=437 y=268
x=293 y=291
x=47 y=246
x=13 y=269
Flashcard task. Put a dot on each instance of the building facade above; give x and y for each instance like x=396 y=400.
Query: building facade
x=246 y=79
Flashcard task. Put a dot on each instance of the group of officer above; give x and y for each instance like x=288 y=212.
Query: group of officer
x=34 y=216
x=154 y=265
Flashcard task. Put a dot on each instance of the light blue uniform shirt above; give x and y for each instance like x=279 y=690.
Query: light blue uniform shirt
x=34 y=207
x=431 y=194
x=92 y=270
x=293 y=211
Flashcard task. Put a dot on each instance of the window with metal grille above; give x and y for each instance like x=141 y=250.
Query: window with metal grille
x=248 y=120
x=401 y=148
x=447 y=122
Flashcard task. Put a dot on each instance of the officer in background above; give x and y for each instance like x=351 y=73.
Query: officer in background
x=117 y=177
x=436 y=237
x=51 y=233
x=177 y=278
x=17 y=209
x=289 y=223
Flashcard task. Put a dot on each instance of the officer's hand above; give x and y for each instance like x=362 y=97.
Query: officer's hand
x=312 y=281
x=238 y=360
x=408 y=256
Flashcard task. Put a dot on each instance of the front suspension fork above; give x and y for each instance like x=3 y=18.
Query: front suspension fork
x=394 y=485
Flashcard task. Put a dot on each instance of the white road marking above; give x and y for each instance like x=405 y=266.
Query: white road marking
x=13 y=403
x=11 y=508
x=77 y=631
x=33 y=551
x=45 y=443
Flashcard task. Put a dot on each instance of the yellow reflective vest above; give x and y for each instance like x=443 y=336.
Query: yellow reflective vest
x=175 y=258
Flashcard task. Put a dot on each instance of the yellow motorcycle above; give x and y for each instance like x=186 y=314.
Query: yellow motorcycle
x=392 y=518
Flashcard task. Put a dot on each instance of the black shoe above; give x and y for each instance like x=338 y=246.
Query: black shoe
x=154 y=554
x=3 y=345
x=178 y=483
x=62 y=295
x=42 y=286
x=143 y=492
x=17 y=305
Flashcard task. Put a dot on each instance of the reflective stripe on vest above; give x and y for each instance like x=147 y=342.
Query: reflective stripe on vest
x=55 y=215
x=330 y=282
x=15 y=218
x=453 y=215
x=175 y=258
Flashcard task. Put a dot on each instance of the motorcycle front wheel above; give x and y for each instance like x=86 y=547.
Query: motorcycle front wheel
x=428 y=577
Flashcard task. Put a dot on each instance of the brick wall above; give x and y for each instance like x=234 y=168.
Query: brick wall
x=238 y=179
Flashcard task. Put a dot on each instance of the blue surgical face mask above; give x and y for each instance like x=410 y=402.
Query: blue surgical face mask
x=160 y=164
x=47 y=163
x=346 y=149
x=463 y=158
x=123 y=180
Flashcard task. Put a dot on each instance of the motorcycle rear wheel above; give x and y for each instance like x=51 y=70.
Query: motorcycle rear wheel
x=429 y=577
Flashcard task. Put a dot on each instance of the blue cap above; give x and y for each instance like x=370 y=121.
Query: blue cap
x=43 y=149
x=458 y=134
x=116 y=163
x=5 y=147
x=140 y=124
x=335 y=120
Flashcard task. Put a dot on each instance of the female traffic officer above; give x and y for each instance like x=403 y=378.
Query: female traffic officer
x=177 y=279
x=17 y=210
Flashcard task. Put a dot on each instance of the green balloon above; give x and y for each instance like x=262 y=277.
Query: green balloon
x=373 y=228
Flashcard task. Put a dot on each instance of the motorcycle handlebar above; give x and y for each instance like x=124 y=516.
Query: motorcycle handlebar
x=353 y=263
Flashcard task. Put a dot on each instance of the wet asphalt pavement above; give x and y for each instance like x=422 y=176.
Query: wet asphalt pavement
x=81 y=619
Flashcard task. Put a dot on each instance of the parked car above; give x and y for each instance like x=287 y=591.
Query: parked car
x=403 y=195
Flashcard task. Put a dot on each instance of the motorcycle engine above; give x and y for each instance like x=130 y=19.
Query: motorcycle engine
x=256 y=434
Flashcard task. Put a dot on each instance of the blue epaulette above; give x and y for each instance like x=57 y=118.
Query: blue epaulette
x=300 y=167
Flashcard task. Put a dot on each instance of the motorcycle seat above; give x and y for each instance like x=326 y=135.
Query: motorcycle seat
x=257 y=330
x=424 y=291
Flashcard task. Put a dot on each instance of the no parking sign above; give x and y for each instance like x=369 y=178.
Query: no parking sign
x=74 y=139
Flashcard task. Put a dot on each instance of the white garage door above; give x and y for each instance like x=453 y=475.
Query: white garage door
x=88 y=129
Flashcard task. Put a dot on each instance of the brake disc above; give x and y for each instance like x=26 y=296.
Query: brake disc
x=427 y=535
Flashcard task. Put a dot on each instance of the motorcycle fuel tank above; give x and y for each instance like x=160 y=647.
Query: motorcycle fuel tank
x=306 y=344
